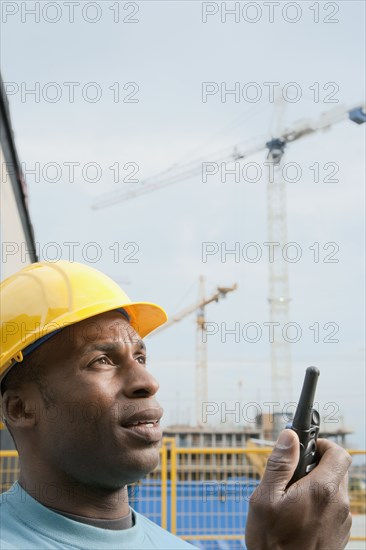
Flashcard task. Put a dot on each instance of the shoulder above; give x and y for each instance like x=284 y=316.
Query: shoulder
x=4 y=545
x=11 y=524
x=158 y=537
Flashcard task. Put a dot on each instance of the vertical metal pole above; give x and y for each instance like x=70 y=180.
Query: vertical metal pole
x=201 y=355
x=164 y=485
x=173 y=486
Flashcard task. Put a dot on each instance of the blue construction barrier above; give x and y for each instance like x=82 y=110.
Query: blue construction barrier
x=203 y=507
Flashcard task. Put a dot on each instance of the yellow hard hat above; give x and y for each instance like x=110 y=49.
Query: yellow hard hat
x=45 y=297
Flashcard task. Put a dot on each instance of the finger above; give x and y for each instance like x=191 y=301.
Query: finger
x=334 y=463
x=282 y=462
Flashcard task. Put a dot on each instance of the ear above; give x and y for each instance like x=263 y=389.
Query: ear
x=20 y=408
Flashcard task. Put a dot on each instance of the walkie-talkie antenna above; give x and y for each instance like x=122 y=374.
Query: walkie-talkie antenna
x=303 y=414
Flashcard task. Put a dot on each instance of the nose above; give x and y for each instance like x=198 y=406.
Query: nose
x=139 y=382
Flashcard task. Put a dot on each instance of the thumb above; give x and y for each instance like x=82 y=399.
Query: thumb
x=282 y=461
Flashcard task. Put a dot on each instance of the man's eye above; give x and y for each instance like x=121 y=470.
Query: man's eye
x=103 y=360
x=142 y=359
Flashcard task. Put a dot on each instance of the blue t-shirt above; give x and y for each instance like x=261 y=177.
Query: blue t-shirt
x=25 y=524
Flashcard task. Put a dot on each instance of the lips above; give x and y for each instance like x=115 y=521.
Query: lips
x=151 y=415
x=145 y=424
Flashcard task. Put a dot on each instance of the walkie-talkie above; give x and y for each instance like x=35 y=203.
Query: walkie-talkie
x=306 y=424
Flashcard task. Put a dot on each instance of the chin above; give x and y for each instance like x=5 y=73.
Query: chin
x=134 y=467
x=143 y=463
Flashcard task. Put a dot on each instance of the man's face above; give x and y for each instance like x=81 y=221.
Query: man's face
x=100 y=422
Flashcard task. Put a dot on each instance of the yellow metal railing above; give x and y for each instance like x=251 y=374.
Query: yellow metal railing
x=9 y=469
x=186 y=475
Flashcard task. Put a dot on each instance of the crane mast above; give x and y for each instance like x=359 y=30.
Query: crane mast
x=281 y=368
x=279 y=293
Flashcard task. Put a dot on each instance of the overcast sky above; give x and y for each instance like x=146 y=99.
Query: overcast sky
x=120 y=84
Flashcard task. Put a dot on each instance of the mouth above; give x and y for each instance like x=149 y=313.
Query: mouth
x=149 y=431
x=145 y=425
x=148 y=424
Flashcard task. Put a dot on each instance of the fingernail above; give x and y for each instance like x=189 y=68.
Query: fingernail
x=285 y=440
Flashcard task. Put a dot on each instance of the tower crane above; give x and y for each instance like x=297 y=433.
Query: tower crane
x=201 y=339
x=276 y=217
x=179 y=173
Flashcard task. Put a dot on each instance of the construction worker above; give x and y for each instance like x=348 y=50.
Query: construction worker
x=81 y=407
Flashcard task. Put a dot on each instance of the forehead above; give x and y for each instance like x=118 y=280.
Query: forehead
x=111 y=327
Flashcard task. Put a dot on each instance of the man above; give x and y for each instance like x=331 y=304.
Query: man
x=81 y=406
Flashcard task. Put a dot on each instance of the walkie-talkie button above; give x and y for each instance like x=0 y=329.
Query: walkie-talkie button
x=315 y=417
x=311 y=447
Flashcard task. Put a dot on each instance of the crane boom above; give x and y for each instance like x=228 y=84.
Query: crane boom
x=179 y=173
x=219 y=293
x=170 y=177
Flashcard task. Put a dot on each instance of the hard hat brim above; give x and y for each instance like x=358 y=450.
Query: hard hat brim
x=145 y=316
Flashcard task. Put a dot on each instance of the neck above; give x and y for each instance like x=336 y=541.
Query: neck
x=76 y=498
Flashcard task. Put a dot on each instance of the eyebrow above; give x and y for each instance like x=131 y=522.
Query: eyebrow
x=110 y=347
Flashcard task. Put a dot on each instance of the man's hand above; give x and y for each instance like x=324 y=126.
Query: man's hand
x=313 y=513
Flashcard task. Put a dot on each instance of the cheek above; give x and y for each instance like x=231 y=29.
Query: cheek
x=78 y=415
